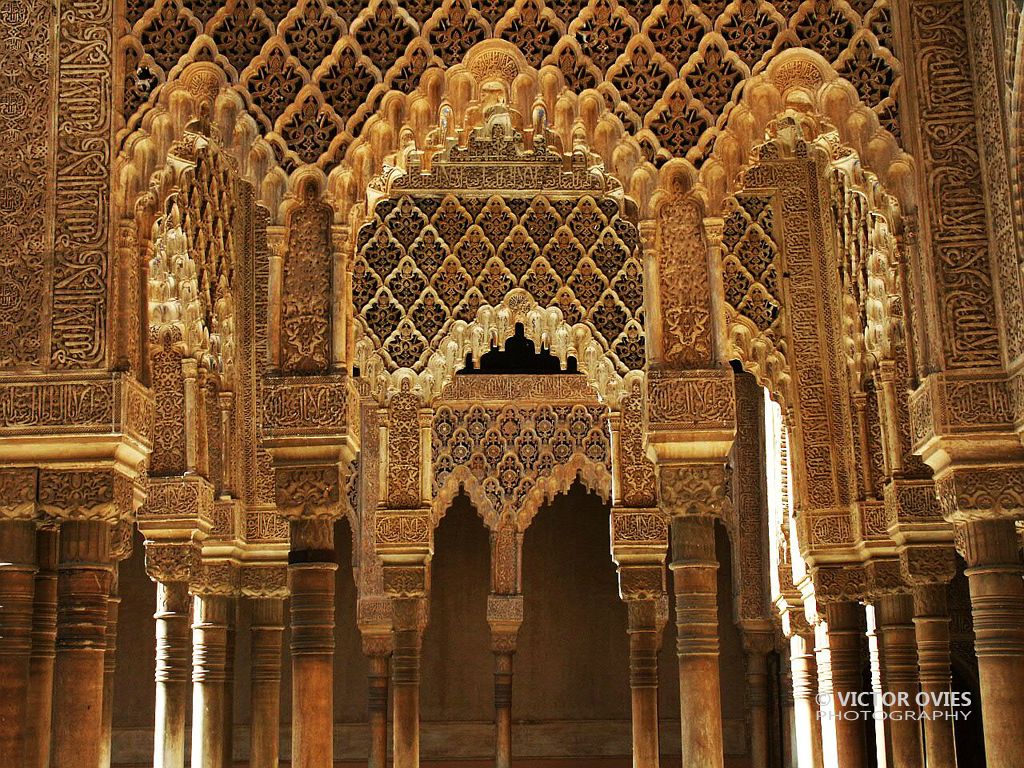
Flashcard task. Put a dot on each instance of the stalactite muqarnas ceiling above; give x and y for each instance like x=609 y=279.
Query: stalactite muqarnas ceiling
x=313 y=71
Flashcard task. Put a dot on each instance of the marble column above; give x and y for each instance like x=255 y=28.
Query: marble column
x=173 y=652
x=895 y=615
x=266 y=632
x=44 y=634
x=757 y=646
x=409 y=624
x=17 y=586
x=644 y=643
x=804 y=666
x=845 y=653
x=503 y=707
x=883 y=741
x=504 y=616
x=209 y=679
x=997 y=604
x=311 y=578
x=788 y=713
x=228 y=740
x=83 y=588
x=695 y=579
x=931 y=629
x=377 y=705
x=109 y=667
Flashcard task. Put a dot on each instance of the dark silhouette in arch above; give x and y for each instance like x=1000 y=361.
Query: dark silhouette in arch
x=520 y=356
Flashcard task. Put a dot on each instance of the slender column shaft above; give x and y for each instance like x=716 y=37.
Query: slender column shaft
x=805 y=700
x=83 y=587
x=788 y=715
x=267 y=633
x=695 y=573
x=846 y=650
x=644 y=642
x=209 y=689
x=503 y=708
x=883 y=741
x=172 y=673
x=931 y=629
x=899 y=658
x=311 y=580
x=44 y=635
x=109 y=666
x=406 y=679
x=377 y=704
x=228 y=740
x=17 y=576
x=757 y=698
x=997 y=603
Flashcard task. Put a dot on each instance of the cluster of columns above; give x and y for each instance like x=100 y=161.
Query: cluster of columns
x=58 y=614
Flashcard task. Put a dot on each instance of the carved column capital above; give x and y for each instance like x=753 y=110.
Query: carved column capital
x=171 y=561
x=921 y=565
x=264 y=581
x=838 y=584
x=308 y=491
x=981 y=493
x=504 y=615
x=883 y=577
x=86 y=494
x=218 y=578
x=642 y=582
x=18 y=493
x=693 y=490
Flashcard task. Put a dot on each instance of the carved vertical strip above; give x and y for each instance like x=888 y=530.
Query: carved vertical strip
x=955 y=226
x=306 y=290
x=82 y=193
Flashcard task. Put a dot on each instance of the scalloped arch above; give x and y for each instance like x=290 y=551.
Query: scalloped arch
x=494 y=325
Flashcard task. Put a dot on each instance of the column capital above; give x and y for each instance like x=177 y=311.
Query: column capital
x=308 y=491
x=758 y=640
x=216 y=578
x=981 y=492
x=103 y=494
x=922 y=565
x=171 y=561
x=642 y=582
x=838 y=584
x=989 y=542
x=883 y=577
x=693 y=490
x=261 y=581
x=18 y=493
x=505 y=616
